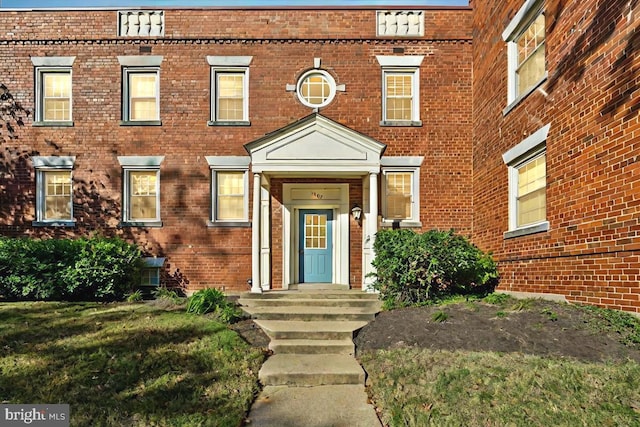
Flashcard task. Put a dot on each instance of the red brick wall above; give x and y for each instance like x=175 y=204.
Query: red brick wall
x=283 y=44
x=590 y=253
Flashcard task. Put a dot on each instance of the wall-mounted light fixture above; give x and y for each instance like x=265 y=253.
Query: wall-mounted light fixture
x=356 y=212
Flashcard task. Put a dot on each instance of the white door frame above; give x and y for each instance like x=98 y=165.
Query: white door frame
x=315 y=196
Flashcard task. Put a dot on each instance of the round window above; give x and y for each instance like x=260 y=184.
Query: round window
x=316 y=88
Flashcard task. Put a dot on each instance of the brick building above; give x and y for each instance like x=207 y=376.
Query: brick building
x=238 y=145
x=555 y=147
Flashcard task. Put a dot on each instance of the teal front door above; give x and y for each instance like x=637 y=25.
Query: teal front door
x=316 y=246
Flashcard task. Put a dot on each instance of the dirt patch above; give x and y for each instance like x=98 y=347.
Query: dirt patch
x=251 y=333
x=541 y=328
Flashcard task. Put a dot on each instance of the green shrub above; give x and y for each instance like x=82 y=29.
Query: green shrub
x=97 y=268
x=414 y=269
x=212 y=300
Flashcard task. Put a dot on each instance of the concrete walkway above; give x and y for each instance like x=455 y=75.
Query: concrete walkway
x=317 y=406
x=313 y=378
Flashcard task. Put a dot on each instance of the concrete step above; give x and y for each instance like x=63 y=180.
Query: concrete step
x=309 y=302
x=305 y=370
x=310 y=313
x=310 y=346
x=349 y=294
x=316 y=330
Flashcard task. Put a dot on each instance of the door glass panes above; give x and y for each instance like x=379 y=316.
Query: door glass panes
x=399 y=96
x=398 y=193
x=143 y=201
x=56 y=100
x=57 y=197
x=315 y=231
x=532 y=200
x=230 y=192
x=230 y=96
x=531 y=55
x=143 y=92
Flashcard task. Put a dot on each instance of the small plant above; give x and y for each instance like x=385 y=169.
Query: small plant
x=551 y=315
x=439 y=316
x=501 y=314
x=523 y=305
x=496 y=298
x=212 y=300
x=135 y=296
x=625 y=324
x=168 y=294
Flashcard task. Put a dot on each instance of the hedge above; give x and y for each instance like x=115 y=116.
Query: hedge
x=86 y=269
x=414 y=269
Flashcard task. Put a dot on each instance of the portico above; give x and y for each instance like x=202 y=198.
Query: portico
x=303 y=193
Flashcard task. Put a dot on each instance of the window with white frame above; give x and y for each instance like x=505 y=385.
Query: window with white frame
x=53 y=90
x=229 y=189
x=54 y=191
x=140 y=90
x=400 y=190
x=316 y=88
x=229 y=89
x=527 y=168
x=400 y=90
x=525 y=37
x=141 y=190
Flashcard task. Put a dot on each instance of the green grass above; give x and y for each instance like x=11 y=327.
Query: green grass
x=414 y=387
x=126 y=364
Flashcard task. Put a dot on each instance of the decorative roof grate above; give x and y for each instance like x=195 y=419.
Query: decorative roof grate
x=141 y=23
x=400 y=23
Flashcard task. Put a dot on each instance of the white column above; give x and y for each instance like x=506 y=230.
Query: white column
x=255 y=237
x=371 y=230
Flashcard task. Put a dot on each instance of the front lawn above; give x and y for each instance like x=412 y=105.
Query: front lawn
x=126 y=364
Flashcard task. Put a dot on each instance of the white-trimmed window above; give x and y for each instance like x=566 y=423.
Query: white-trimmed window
x=527 y=168
x=141 y=190
x=400 y=190
x=229 y=190
x=140 y=90
x=53 y=90
x=525 y=37
x=400 y=90
x=229 y=90
x=54 y=191
x=316 y=88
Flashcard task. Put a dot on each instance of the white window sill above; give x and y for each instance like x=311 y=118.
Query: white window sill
x=524 y=95
x=401 y=123
x=400 y=224
x=228 y=123
x=214 y=224
x=50 y=123
x=154 y=224
x=526 y=230
x=55 y=223
x=141 y=123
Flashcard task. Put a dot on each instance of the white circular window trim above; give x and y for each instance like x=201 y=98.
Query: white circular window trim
x=327 y=77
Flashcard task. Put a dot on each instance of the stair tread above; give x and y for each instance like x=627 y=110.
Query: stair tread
x=311 y=364
x=309 y=309
x=310 y=325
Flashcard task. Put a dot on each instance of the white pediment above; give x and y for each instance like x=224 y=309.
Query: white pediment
x=315 y=144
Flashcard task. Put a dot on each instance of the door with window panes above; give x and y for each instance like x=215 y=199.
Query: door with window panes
x=316 y=246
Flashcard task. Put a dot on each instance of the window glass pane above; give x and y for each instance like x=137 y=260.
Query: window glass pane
x=315 y=231
x=531 y=201
x=398 y=194
x=143 y=96
x=56 y=100
x=150 y=277
x=399 y=96
x=57 y=195
x=315 y=89
x=230 y=96
x=143 y=195
x=531 y=55
x=230 y=195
